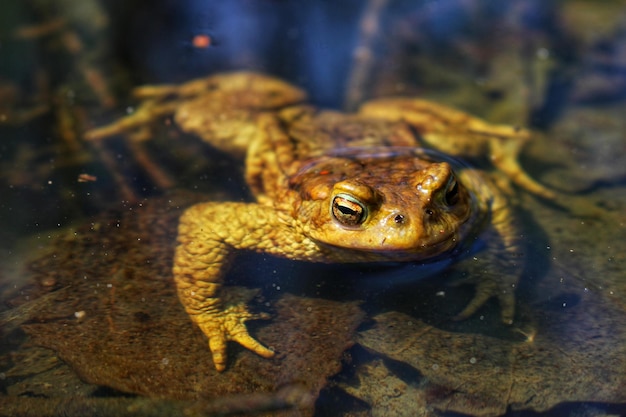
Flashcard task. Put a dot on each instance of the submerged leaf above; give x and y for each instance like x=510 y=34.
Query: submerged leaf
x=574 y=354
x=118 y=322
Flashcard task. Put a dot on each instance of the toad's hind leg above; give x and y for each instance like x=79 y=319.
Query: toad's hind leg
x=226 y=115
x=459 y=134
x=504 y=153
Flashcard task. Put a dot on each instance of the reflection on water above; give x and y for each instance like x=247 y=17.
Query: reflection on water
x=89 y=315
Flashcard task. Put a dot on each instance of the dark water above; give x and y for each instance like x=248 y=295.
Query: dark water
x=90 y=321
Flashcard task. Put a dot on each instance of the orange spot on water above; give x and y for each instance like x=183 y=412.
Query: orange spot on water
x=202 y=41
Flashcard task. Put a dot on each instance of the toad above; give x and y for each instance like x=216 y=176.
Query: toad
x=379 y=185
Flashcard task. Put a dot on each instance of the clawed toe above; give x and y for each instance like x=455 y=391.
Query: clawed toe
x=230 y=326
x=486 y=291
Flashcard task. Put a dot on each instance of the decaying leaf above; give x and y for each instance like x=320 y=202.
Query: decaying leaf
x=117 y=320
x=576 y=353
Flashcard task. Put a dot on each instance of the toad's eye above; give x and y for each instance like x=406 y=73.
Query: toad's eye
x=452 y=193
x=348 y=210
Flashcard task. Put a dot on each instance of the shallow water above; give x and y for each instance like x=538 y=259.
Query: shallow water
x=90 y=321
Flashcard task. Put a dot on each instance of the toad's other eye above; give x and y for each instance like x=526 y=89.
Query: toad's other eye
x=452 y=193
x=348 y=210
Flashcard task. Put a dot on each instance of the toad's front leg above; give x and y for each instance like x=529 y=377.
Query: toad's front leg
x=497 y=269
x=208 y=236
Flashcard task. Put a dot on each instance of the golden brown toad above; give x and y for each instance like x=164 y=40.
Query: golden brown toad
x=334 y=187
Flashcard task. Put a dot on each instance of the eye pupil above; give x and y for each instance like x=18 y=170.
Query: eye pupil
x=452 y=193
x=348 y=210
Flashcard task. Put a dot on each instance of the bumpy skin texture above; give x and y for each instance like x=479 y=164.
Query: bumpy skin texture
x=334 y=187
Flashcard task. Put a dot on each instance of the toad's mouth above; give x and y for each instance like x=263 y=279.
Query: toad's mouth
x=385 y=250
x=425 y=248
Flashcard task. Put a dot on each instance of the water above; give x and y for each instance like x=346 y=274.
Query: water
x=90 y=320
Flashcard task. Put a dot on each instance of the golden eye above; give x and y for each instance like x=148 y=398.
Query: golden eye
x=348 y=210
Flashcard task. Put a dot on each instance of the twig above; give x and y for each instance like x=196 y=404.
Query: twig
x=364 y=54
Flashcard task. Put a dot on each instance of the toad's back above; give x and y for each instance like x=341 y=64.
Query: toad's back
x=310 y=149
x=310 y=133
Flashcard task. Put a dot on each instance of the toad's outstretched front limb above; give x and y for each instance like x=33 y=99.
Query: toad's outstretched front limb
x=209 y=234
x=205 y=243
